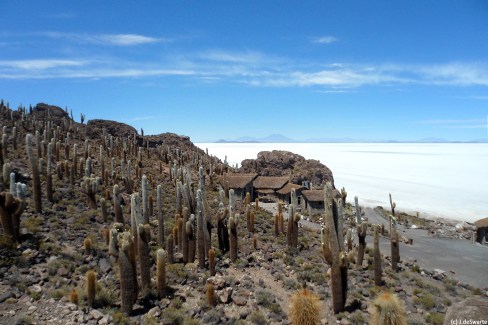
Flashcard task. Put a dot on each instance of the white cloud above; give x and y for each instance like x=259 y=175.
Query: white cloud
x=324 y=40
x=105 y=39
x=41 y=64
x=126 y=39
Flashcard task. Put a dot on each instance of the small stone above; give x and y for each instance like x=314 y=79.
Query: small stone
x=104 y=265
x=36 y=288
x=95 y=314
x=239 y=300
x=218 y=281
x=104 y=320
x=154 y=312
x=5 y=296
x=225 y=295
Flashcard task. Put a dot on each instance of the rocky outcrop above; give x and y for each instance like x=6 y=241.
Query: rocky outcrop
x=282 y=163
x=117 y=129
x=470 y=309
x=41 y=111
x=172 y=140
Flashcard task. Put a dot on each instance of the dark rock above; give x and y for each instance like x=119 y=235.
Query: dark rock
x=6 y=295
x=282 y=163
x=104 y=265
x=117 y=129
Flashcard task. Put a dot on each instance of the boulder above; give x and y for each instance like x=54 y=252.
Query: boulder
x=117 y=129
x=472 y=308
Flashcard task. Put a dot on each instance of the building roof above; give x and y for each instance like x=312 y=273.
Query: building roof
x=270 y=182
x=265 y=191
x=313 y=195
x=288 y=187
x=237 y=181
x=482 y=223
x=318 y=195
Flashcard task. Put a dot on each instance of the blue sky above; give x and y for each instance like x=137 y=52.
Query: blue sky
x=220 y=69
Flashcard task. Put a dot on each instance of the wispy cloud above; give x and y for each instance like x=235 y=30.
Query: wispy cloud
x=139 y=118
x=41 y=64
x=324 y=40
x=105 y=39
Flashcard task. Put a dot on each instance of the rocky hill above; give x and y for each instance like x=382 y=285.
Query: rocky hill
x=82 y=242
x=284 y=163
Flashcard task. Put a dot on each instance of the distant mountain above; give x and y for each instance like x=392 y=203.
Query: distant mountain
x=279 y=138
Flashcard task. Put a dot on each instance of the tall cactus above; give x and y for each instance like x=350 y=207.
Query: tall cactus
x=170 y=246
x=128 y=275
x=190 y=231
x=358 y=210
x=222 y=231
x=144 y=232
x=159 y=202
x=233 y=237
x=200 y=232
x=11 y=209
x=161 y=272
x=338 y=259
x=36 y=180
x=145 y=199
x=362 y=231
x=117 y=206
x=91 y=278
x=377 y=258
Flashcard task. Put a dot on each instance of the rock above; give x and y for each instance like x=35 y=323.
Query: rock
x=36 y=288
x=6 y=295
x=225 y=295
x=117 y=129
x=104 y=265
x=154 y=312
x=95 y=314
x=282 y=163
x=472 y=308
x=218 y=281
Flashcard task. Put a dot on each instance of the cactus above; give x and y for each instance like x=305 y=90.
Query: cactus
x=91 y=279
x=344 y=196
x=277 y=225
x=362 y=231
x=36 y=181
x=358 y=210
x=292 y=234
x=135 y=216
x=395 y=250
x=144 y=232
x=159 y=202
x=304 y=308
x=161 y=272
x=87 y=244
x=90 y=187
x=256 y=203
x=73 y=296
x=128 y=275
x=10 y=211
x=232 y=203
x=190 y=231
x=388 y=310
x=211 y=261
x=392 y=205
x=170 y=249
x=103 y=207
x=200 y=237
x=333 y=217
x=251 y=221
x=210 y=293
x=222 y=231
x=184 y=234
x=117 y=207
x=49 y=187
x=377 y=258
x=145 y=199
x=113 y=245
x=106 y=235
x=233 y=237
x=255 y=242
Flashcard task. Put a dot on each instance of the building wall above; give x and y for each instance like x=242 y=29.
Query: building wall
x=312 y=207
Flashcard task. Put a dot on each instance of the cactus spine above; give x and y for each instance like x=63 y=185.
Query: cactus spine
x=36 y=181
x=304 y=308
x=161 y=272
x=388 y=310
x=338 y=281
